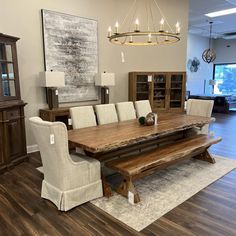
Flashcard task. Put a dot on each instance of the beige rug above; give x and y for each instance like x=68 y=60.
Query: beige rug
x=165 y=190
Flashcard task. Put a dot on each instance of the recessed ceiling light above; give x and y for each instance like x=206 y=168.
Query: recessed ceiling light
x=221 y=13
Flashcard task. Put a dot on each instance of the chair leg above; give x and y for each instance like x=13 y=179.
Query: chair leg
x=127 y=186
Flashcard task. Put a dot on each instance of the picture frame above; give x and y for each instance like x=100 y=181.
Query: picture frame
x=71 y=46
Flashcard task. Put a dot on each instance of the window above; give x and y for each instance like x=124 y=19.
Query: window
x=225 y=79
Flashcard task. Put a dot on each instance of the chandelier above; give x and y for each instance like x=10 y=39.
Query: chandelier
x=209 y=55
x=157 y=31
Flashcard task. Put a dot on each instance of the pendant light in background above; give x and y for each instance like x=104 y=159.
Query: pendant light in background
x=209 y=55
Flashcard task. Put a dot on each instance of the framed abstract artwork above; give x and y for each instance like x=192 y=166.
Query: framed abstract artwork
x=71 y=46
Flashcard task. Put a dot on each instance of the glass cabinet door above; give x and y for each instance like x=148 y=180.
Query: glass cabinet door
x=176 y=90
x=159 y=90
x=7 y=74
x=142 y=87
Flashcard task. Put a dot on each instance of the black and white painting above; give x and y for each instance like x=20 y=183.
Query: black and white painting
x=71 y=46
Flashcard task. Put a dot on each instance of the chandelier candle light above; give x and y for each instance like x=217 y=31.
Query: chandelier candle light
x=153 y=35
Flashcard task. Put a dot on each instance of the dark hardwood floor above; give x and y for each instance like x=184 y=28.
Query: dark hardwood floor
x=225 y=127
x=210 y=212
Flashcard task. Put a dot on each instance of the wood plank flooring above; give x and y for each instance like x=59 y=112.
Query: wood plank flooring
x=225 y=127
x=210 y=212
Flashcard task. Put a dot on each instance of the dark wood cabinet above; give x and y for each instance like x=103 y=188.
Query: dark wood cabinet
x=12 y=119
x=164 y=90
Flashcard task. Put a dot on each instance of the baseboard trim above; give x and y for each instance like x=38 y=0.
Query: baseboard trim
x=32 y=148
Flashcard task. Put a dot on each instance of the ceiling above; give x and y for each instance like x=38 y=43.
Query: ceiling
x=199 y=23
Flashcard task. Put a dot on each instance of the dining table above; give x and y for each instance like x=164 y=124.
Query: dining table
x=99 y=140
x=108 y=141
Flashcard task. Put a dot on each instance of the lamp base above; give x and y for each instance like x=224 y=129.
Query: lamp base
x=52 y=98
x=104 y=95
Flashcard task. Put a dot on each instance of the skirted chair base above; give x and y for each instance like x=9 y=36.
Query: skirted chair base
x=69 y=198
x=66 y=200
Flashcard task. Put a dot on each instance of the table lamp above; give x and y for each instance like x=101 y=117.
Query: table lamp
x=104 y=80
x=51 y=80
x=212 y=82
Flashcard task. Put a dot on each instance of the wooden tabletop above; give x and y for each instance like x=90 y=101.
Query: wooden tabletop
x=109 y=137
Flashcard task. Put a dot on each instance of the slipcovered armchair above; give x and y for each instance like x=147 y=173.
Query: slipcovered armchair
x=197 y=107
x=69 y=180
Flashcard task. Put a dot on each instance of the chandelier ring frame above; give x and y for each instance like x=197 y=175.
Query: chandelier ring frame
x=172 y=38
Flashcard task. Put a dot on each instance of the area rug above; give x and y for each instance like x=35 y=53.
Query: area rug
x=164 y=190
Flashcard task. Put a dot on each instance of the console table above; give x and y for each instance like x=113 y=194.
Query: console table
x=59 y=114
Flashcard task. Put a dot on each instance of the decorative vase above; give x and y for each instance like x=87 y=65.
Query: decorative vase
x=149 y=121
x=141 y=120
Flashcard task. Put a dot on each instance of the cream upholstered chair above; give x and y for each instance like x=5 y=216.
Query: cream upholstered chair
x=142 y=107
x=82 y=117
x=125 y=111
x=198 y=107
x=69 y=180
x=106 y=113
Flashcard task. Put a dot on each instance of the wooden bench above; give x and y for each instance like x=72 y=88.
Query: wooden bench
x=137 y=166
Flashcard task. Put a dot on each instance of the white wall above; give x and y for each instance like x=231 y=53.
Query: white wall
x=196 y=80
x=225 y=54
x=22 y=18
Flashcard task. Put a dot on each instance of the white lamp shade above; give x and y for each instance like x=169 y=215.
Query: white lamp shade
x=52 y=79
x=105 y=79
